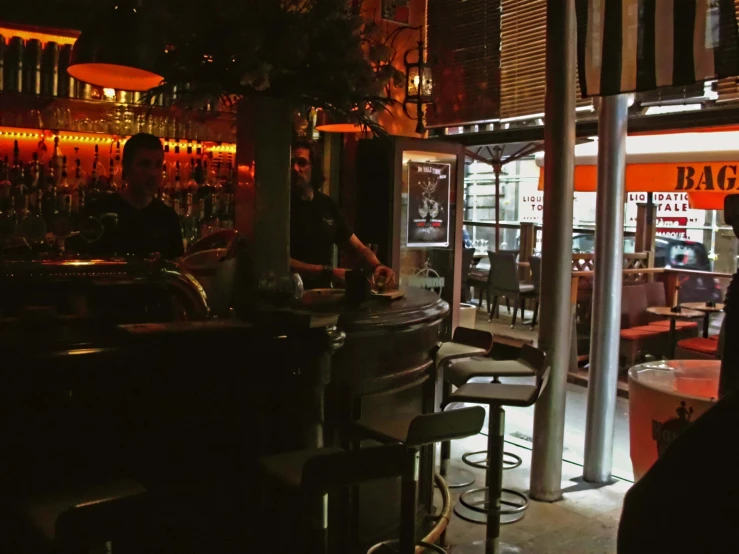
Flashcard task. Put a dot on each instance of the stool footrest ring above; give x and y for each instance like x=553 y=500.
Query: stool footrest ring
x=457 y=478
x=476 y=511
x=510 y=460
x=389 y=547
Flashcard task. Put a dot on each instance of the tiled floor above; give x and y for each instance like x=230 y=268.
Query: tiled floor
x=586 y=519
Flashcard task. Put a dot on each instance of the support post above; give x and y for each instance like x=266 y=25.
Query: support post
x=497 y=169
x=606 y=322
x=554 y=329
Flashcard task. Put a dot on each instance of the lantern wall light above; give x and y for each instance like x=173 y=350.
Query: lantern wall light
x=419 y=86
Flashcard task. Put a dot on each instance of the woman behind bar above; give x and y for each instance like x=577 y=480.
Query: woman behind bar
x=316 y=225
x=136 y=221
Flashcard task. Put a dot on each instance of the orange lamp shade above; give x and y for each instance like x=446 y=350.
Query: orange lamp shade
x=119 y=49
x=119 y=77
x=330 y=123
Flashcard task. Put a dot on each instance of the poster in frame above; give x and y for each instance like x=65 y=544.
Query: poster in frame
x=397 y=11
x=429 y=189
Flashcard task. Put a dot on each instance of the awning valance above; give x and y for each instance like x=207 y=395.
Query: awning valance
x=680 y=162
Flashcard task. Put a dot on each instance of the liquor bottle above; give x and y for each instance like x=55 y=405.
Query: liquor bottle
x=192 y=184
x=65 y=191
x=189 y=222
x=24 y=211
x=18 y=189
x=93 y=188
x=112 y=187
x=81 y=197
x=177 y=192
x=78 y=186
x=224 y=215
x=201 y=218
x=118 y=178
x=49 y=203
x=164 y=190
x=5 y=185
x=8 y=222
x=57 y=161
x=16 y=162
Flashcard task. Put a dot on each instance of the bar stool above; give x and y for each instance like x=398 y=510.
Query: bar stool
x=85 y=520
x=415 y=432
x=465 y=343
x=495 y=395
x=318 y=471
x=528 y=363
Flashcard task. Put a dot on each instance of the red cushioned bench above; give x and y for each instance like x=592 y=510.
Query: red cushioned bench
x=697 y=348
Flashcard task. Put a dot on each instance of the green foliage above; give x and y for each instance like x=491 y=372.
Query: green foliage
x=319 y=53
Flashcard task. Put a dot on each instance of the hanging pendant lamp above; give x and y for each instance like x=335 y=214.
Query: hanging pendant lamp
x=119 y=49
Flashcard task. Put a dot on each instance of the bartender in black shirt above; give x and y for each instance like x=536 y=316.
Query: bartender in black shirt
x=316 y=225
x=145 y=225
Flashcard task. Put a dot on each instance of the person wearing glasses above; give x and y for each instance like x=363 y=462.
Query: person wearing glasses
x=316 y=225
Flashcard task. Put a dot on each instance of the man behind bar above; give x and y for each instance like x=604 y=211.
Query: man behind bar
x=316 y=225
x=145 y=225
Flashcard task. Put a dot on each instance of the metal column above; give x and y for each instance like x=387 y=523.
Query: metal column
x=556 y=311
x=606 y=323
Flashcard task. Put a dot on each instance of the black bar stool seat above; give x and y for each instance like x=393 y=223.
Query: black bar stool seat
x=496 y=393
x=84 y=519
x=317 y=472
x=460 y=372
x=496 y=396
x=465 y=343
x=287 y=468
x=415 y=432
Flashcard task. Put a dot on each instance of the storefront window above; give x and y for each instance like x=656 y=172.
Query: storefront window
x=523 y=202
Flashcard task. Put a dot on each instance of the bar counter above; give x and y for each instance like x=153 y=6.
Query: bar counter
x=186 y=408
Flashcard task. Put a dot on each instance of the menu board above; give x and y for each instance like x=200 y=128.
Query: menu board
x=428 y=204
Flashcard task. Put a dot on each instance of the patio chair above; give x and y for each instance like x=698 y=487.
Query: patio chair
x=504 y=282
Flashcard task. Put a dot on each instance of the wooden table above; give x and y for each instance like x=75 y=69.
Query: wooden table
x=666 y=311
x=706 y=310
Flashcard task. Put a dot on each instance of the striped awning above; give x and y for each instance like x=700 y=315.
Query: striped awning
x=641 y=45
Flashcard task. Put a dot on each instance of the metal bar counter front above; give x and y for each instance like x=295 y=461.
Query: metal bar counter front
x=385 y=367
x=145 y=386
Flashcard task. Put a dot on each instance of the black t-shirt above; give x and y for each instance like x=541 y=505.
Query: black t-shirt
x=140 y=232
x=315 y=226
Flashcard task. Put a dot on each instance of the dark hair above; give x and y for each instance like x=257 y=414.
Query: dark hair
x=141 y=141
x=317 y=177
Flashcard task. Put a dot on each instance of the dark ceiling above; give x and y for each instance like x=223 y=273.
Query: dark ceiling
x=59 y=14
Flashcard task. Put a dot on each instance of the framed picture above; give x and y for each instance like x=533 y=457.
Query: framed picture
x=428 y=204
x=397 y=11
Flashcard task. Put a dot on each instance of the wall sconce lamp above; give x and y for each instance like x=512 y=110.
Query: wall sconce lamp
x=419 y=86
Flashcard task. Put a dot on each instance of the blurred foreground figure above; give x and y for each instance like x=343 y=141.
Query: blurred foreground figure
x=687 y=501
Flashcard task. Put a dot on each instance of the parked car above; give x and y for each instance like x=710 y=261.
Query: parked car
x=670 y=253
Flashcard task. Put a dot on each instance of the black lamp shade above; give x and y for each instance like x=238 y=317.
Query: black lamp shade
x=119 y=50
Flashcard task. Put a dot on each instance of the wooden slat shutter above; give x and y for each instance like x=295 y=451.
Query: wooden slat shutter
x=728 y=89
x=523 y=58
x=464 y=50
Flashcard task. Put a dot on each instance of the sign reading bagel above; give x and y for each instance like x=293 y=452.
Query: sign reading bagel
x=719 y=177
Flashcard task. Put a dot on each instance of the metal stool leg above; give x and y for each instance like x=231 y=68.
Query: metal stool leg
x=494 y=482
x=454 y=477
x=407 y=542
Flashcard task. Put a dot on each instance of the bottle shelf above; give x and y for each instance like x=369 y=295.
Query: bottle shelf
x=107 y=119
